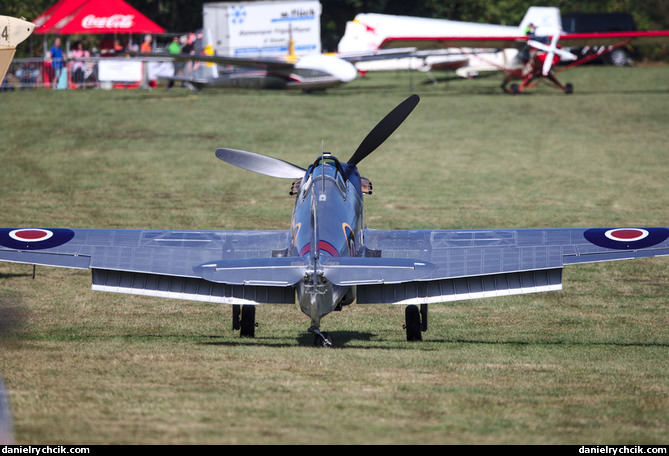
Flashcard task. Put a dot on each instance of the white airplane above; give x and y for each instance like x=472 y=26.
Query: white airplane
x=365 y=35
x=13 y=31
x=528 y=53
x=306 y=73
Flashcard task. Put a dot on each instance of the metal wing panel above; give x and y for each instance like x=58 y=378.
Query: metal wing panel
x=146 y=251
x=465 y=253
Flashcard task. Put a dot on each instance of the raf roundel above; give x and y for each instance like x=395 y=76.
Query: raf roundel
x=34 y=238
x=31 y=234
x=626 y=238
x=626 y=234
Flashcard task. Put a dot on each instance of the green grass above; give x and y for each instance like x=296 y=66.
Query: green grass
x=584 y=365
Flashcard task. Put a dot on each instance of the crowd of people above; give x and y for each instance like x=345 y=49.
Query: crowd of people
x=80 y=63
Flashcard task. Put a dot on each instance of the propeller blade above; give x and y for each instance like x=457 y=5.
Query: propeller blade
x=261 y=163
x=384 y=129
x=551 y=51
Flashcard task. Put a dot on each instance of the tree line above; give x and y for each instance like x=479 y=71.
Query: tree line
x=186 y=15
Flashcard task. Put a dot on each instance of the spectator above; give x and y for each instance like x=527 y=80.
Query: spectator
x=175 y=48
x=146 y=45
x=78 y=67
x=56 y=55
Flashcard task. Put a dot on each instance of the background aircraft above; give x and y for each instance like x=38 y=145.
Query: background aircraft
x=364 y=36
x=328 y=257
x=525 y=56
x=310 y=72
x=12 y=32
x=306 y=73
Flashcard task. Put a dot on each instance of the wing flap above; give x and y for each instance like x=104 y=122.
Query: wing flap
x=188 y=288
x=459 y=289
x=46 y=259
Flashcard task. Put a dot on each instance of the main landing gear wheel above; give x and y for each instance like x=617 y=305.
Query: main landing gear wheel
x=569 y=88
x=244 y=320
x=415 y=322
x=515 y=89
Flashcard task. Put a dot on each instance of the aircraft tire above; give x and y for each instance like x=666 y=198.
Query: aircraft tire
x=569 y=88
x=514 y=90
x=412 y=323
x=323 y=340
x=248 y=321
x=236 y=317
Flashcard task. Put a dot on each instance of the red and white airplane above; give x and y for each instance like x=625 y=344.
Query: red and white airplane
x=528 y=52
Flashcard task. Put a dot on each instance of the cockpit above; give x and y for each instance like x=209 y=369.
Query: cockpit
x=328 y=166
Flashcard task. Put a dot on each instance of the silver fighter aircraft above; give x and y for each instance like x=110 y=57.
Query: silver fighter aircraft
x=328 y=258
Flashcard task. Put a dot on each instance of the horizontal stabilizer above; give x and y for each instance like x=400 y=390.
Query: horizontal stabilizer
x=277 y=272
x=350 y=271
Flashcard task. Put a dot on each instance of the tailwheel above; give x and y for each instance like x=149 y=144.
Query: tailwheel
x=569 y=88
x=244 y=320
x=321 y=339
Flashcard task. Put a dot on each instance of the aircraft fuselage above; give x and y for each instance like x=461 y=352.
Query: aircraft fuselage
x=327 y=222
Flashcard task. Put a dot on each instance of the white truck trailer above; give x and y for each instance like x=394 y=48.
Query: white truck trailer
x=264 y=28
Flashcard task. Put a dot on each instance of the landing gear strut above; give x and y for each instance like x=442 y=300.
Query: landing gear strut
x=244 y=320
x=415 y=321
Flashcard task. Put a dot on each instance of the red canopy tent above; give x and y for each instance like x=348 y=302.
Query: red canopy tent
x=104 y=17
x=93 y=17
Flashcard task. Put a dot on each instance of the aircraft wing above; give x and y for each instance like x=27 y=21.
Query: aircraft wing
x=639 y=38
x=503 y=42
x=193 y=265
x=264 y=63
x=443 y=42
x=472 y=264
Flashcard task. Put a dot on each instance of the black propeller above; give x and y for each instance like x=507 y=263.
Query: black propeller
x=384 y=129
x=278 y=168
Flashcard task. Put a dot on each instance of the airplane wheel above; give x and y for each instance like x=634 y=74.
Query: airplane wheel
x=569 y=88
x=514 y=90
x=323 y=340
x=236 y=317
x=248 y=321
x=412 y=323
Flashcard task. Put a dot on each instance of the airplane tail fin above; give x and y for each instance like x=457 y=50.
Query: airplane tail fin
x=546 y=19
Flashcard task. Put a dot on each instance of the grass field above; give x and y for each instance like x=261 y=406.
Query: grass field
x=587 y=365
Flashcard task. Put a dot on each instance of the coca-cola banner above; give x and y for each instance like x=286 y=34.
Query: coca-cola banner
x=114 y=22
x=94 y=16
